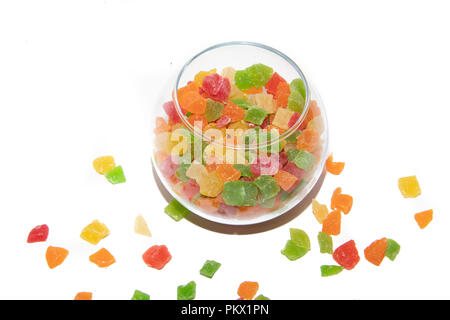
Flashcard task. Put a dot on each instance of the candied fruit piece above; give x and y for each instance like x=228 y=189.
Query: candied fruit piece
x=210 y=185
x=347 y=255
x=139 y=295
x=102 y=258
x=116 y=175
x=247 y=290
x=334 y=167
x=161 y=125
x=171 y=111
x=299 y=86
x=261 y=297
x=216 y=86
x=293 y=169
x=409 y=187
x=187 y=292
x=267 y=185
x=253 y=90
x=240 y=193
x=376 y=251
x=320 y=211
x=209 y=204
x=259 y=74
x=190 y=189
x=264 y=101
x=304 y=160
x=244 y=170
x=229 y=73
x=285 y=180
x=197 y=120
x=198 y=79
x=307 y=140
x=227 y=172
x=234 y=112
x=325 y=243
x=141 y=227
x=213 y=110
x=282 y=117
x=327 y=271
x=223 y=121
x=38 y=234
x=392 y=249
x=242 y=80
x=255 y=115
x=83 y=296
x=196 y=171
x=300 y=238
x=313 y=111
x=332 y=223
x=282 y=94
x=55 y=256
x=341 y=202
x=94 y=232
x=272 y=85
x=296 y=101
x=423 y=218
x=292 y=251
x=209 y=268
x=175 y=210
x=157 y=257
x=104 y=164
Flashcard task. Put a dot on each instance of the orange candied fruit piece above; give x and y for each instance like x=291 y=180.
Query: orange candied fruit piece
x=282 y=94
x=424 y=218
x=193 y=102
x=83 y=296
x=160 y=156
x=308 y=140
x=55 y=256
x=332 y=224
x=341 y=202
x=198 y=120
x=313 y=111
x=209 y=204
x=102 y=258
x=227 y=172
x=253 y=90
x=247 y=289
x=334 y=167
x=376 y=251
x=285 y=180
x=233 y=111
x=161 y=125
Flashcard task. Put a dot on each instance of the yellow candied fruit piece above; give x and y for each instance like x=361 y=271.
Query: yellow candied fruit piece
x=409 y=187
x=94 y=232
x=235 y=93
x=141 y=227
x=320 y=211
x=282 y=117
x=229 y=72
x=211 y=185
x=316 y=124
x=163 y=142
x=104 y=164
x=196 y=171
x=264 y=101
x=198 y=79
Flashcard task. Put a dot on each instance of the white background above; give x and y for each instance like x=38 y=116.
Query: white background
x=78 y=79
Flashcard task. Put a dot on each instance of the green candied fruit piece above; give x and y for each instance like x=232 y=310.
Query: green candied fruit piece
x=267 y=185
x=261 y=297
x=267 y=203
x=300 y=238
x=325 y=243
x=188 y=114
x=296 y=102
x=259 y=74
x=392 y=249
x=209 y=268
x=304 y=160
x=139 y=295
x=244 y=169
x=299 y=86
x=239 y=193
x=292 y=251
x=115 y=175
x=242 y=103
x=213 y=110
x=175 y=210
x=181 y=172
x=292 y=138
x=270 y=142
x=186 y=292
x=328 y=271
x=242 y=80
x=292 y=153
x=255 y=115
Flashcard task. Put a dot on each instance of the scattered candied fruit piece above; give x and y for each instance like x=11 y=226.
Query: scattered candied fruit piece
x=139 y=295
x=320 y=211
x=115 y=175
x=334 y=167
x=347 y=255
x=409 y=187
x=209 y=268
x=55 y=256
x=328 y=271
x=325 y=243
x=102 y=258
x=247 y=289
x=157 y=257
x=187 y=292
x=392 y=249
x=94 y=232
x=83 y=296
x=38 y=234
x=141 y=227
x=424 y=218
x=376 y=251
x=341 y=202
x=104 y=164
x=175 y=210
x=292 y=251
x=285 y=180
x=227 y=172
x=332 y=223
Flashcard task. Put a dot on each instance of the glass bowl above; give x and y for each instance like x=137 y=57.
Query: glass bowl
x=234 y=170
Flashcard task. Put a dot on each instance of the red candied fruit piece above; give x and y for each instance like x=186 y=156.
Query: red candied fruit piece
x=169 y=108
x=223 y=121
x=38 y=234
x=293 y=119
x=217 y=87
x=190 y=189
x=294 y=170
x=347 y=255
x=157 y=257
x=273 y=83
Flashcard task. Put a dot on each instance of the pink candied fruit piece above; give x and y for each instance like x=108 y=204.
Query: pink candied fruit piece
x=294 y=170
x=38 y=234
x=190 y=189
x=227 y=210
x=282 y=159
x=264 y=165
x=168 y=167
x=293 y=119
x=223 y=121
x=170 y=110
x=217 y=87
